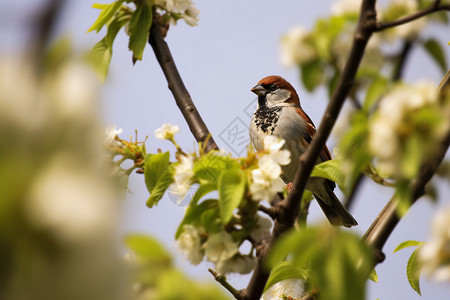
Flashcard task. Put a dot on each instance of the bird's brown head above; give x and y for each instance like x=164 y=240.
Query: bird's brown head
x=275 y=89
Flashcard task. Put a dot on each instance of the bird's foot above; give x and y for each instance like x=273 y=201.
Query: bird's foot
x=289 y=186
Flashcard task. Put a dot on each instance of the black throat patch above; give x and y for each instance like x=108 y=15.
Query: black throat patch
x=266 y=118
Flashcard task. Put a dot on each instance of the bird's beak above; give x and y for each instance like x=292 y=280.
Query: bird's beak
x=259 y=90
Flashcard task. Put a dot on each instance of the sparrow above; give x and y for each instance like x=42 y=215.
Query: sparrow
x=279 y=114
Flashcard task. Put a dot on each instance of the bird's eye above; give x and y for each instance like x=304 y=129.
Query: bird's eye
x=271 y=87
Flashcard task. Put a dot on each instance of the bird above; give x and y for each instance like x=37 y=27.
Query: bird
x=279 y=114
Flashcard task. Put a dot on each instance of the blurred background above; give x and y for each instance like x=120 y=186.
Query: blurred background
x=235 y=44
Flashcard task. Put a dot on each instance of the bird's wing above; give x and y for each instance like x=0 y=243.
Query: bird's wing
x=308 y=136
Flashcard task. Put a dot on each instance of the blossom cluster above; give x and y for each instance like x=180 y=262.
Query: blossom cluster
x=403 y=120
x=434 y=255
x=266 y=178
x=180 y=9
x=330 y=40
x=199 y=239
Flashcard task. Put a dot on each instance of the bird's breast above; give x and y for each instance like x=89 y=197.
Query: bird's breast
x=266 y=118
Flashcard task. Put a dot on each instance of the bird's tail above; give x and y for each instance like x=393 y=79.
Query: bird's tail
x=335 y=211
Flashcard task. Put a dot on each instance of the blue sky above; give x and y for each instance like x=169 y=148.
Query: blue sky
x=235 y=44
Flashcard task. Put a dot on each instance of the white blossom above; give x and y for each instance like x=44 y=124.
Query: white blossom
x=220 y=247
x=110 y=134
x=266 y=181
x=262 y=228
x=272 y=145
x=435 y=254
x=343 y=7
x=285 y=289
x=189 y=243
x=296 y=48
x=183 y=177
x=237 y=264
x=166 y=131
x=387 y=127
x=185 y=8
x=75 y=87
x=70 y=202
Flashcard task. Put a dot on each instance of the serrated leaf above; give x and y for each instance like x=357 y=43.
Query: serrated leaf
x=284 y=270
x=140 y=23
x=434 y=49
x=203 y=190
x=330 y=169
x=146 y=248
x=231 y=191
x=154 y=167
x=161 y=186
x=102 y=52
x=375 y=90
x=108 y=11
x=413 y=271
x=312 y=74
x=209 y=167
x=373 y=276
x=407 y=244
x=194 y=212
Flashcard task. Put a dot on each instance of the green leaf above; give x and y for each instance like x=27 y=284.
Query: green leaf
x=140 y=23
x=332 y=83
x=161 y=186
x=209 y=167
x=210 y=220
x=312 y=74
x=285 y=270
x=108 y=11
x=403 y=197
x=203 y=190
x=102 y=52
x=194 y=212
x=413 y=271
x=330 y=169
x=146 y=248
x=434 y=49
x=412 y=156
x=375 y=90
x=407 y=244
x=373 y=276
x=231 y=191
x=154 y=167
x=339 y=263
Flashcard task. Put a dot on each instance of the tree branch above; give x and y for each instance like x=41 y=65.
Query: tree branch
x=223 y=281
x=43 y=25
x=177 y=87
x=290 y=206
x=434 y=7
x=397 y=74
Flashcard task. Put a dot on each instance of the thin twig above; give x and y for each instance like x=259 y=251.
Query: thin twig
x=434 y=7
x=270 y=211
x=401 y=60
x=223 y=281
x=290 y=206
x=177 y=87
x=348 y=201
